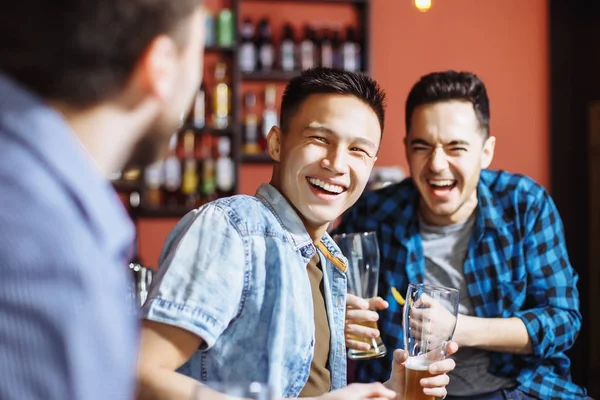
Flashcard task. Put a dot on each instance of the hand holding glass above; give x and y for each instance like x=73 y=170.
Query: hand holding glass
x=429 y=321
x=362 y=252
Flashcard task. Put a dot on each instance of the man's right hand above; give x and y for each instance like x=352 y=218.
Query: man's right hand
x=359 y=312
x=360 y=391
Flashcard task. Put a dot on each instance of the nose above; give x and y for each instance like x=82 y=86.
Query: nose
x=335 y=161
x=438 y=161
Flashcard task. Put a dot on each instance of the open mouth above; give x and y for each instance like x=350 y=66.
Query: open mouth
x=442 y=184
x=324 y=187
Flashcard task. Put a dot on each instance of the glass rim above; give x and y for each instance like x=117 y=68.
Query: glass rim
x=436 y=287
x=348 y=234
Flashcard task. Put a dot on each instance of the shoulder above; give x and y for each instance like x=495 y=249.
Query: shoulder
x=514 y=190
x=515 y=197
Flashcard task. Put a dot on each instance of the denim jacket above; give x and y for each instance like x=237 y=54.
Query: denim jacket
x=234 y=273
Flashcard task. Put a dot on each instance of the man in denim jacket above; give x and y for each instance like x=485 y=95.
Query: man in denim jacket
x=495 y=236
x=252 y=288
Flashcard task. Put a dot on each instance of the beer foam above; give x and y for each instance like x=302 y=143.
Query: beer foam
x=418 y=364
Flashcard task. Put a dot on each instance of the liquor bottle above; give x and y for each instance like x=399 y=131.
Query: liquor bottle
x=210 y=32
x=307 y=49
x=248 y=50
x=172 y=174
x=199 y=108
x=338 y=61
x=351 y=51
x=221 y=98
x=225 y=28
x=153 y=178
x=189 y=181
x=269 y=115
x=251 y=142
x=225 y=168
x=208 y=187
x=326 y=59
x=265 y=46
x=287 y=59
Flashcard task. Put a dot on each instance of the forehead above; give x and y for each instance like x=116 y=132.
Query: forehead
x=345 y=115
x=445 y=121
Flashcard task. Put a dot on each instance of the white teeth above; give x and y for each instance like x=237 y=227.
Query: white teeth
x=327 y=186
x=441 y=182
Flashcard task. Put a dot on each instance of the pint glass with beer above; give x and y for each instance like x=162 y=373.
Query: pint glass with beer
x=429 y=321
x=362 y=251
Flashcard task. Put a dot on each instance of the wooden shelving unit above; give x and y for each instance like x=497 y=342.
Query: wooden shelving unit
x=237 y=80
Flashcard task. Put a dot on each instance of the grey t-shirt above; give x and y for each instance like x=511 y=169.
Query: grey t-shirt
x=445 y=250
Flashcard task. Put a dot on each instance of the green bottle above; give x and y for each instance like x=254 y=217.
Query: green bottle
x=225 y=28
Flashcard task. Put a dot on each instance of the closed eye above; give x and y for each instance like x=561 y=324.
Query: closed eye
x=319 y=138
x=419 y=148
x=358 y=149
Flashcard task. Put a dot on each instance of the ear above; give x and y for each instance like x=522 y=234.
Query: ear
x=274 y=143
x=488 y=152
x=156 y=69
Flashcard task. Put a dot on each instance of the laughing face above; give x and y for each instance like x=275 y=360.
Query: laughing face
x=325 y=157
x=446 y=150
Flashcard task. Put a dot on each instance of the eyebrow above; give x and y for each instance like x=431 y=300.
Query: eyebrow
x=329 y=132
x=452 y=143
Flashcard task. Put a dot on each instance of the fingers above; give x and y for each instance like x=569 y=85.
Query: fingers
x=400 y=356
x=442 y=367
x=377 y=303
x=374 y=303
x=435 y=386
x=452 y=347
x=361 y=315
x=356 y=302
x=357 y=345
x=369 y=391
x=361 y=331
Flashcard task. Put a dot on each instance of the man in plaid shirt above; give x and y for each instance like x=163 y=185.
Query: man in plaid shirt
x=495 y=236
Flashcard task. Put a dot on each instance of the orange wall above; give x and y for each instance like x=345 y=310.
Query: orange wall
x=504 y=41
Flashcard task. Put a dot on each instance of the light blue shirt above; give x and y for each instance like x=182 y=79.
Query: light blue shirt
x=66 y=331
x=234 y=273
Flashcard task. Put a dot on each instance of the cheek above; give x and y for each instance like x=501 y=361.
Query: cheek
x=361 y=171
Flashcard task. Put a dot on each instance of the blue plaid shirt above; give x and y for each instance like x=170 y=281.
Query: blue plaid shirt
x=516 y=266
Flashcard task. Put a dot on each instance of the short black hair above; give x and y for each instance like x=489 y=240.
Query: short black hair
x=323 y=80
x=83 y=51
x=450 y=85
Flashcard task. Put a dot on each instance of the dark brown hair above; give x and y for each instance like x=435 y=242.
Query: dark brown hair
x=450 y=85
x=83 y=51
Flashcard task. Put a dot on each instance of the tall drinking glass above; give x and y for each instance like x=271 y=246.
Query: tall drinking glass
x=429 y=318
x=362 y=251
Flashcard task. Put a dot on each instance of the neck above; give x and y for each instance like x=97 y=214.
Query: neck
x=315 y=231
x=462 y=214
x=106 y=133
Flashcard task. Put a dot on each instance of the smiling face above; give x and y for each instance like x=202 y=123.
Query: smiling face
x=325 y=158
x=446 y=151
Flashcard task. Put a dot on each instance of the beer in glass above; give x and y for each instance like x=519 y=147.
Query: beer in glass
x=429 y=320
x=362 y=251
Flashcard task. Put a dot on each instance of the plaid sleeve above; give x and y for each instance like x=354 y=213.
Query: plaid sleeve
x=552 y=318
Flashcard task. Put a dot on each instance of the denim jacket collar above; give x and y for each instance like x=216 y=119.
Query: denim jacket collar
x=287 y=216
